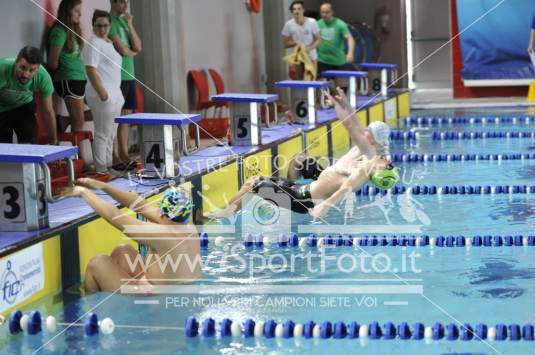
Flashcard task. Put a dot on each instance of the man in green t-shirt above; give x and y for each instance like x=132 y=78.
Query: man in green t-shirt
x=20 y=78
x=333 y=32
x=127 y=42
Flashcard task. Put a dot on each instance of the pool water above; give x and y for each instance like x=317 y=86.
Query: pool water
x=425 y=284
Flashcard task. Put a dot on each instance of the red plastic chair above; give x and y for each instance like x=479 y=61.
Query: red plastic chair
x=203 y=99
x=219 y=88
x=42 y=137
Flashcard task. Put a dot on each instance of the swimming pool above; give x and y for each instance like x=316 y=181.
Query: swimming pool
x=490 y=285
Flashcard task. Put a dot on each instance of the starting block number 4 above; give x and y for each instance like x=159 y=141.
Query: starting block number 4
x=161 y=149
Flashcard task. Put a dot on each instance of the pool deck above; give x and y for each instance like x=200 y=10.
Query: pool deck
x=70 y=212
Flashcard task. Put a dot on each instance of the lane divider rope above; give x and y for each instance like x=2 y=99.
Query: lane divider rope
x=416 y=157
x=458 y=120
x=353 y=330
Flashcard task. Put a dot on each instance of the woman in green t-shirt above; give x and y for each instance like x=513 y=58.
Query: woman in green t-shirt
x=65 y=63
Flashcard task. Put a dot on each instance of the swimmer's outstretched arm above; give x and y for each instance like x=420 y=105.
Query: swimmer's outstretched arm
x=185 y=240
x=346 y=114
x=110 y=213
x=356 y=180
x=126 y=198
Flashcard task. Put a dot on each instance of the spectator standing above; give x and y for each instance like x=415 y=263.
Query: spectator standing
x=20 y=78
x=104 y=96
x=65 y=63
x=127 y=42
x=302 y=30
x=334 y=34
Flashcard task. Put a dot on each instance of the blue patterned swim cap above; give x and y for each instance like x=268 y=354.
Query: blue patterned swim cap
x=176 y=204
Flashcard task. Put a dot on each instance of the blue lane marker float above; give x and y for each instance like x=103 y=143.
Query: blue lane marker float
x=448 y=241
x=353 y=330
x=402 y=136
x=369 y=190
x=419 y=158
x=33 y=324
x=455 y=135
x=468 y=119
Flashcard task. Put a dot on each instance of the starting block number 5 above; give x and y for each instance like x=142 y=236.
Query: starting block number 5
x=241 y=129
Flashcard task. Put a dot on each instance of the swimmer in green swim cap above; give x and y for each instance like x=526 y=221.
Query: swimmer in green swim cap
x=386 y=179
x=369 y=160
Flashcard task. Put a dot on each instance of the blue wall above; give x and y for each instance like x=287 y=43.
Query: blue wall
x=495 y=47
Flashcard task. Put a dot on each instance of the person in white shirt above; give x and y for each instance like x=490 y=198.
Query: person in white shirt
x=302 y=30
x=103 y=91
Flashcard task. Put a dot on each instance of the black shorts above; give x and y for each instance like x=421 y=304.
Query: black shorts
x=20 y=120
x=299 y=196
x=128 y=87
x=324 y=67
x=74 y=89
x=311 y=169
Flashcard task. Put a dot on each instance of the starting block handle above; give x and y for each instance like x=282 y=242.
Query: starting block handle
x=185 y=137
x=268 y=114
x=364 y=86
x=267 y=117
x=48 y=180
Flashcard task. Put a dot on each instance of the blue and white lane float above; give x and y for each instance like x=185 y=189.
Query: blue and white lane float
x=33 y=323
x=470 y=119
x=369 y=190
x=456 y=135
x=312 y=241
x=209 y=328
x=403 y=136
x=418 y=158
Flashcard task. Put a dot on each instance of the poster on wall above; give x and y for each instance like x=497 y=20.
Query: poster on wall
x=21 y=276
x=494 y=37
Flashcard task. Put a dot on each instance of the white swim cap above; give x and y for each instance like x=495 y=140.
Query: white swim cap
x=380 y=132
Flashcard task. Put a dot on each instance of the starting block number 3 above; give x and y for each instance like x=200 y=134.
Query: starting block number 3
x=13 y=209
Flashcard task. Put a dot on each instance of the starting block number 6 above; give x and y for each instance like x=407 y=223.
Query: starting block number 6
x=301 y=110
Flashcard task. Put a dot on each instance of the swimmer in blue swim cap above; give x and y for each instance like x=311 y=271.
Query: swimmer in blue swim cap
x=166 y=230
x=368 y=161
x=176 y=204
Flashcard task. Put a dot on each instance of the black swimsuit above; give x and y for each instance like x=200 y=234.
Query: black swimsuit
x=311 y=169
x=300 y=198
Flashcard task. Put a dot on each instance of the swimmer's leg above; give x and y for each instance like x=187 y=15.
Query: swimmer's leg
x=234 y=203
x=104 y=274
x=296 y=165
x=126 y=257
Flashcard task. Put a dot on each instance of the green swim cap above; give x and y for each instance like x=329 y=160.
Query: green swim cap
x=386 y=179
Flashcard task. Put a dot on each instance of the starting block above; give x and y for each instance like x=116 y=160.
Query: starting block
x=352 y=75
x=245 y=124
x=303 y=99
x=381 y=84
x=25 y=184
x=164 y=138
